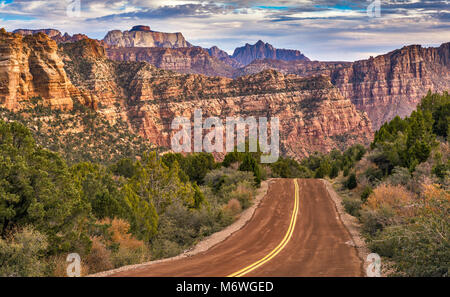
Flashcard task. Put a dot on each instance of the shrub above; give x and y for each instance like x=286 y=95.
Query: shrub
x=373 y=174
x=334 y=172
x=399 y=176
x=289 y=168
x=366 y=193
x=244 y=194
x=352 y=206
x=21 y=254
x=375 y=221
x=420 y=247
x=99 y=258
x=250 y=164
x=127 y=249
x=233 y=207
x=387 y=196
x=351 y=182
x=346 y=171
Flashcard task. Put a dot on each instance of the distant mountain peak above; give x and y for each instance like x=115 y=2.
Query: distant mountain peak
x=261 y=50
x=141 y=28
x=143 y=36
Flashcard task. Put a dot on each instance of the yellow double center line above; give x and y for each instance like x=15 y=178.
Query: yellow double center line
x=282 y=244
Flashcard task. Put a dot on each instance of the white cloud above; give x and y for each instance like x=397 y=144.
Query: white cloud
x=323 y=30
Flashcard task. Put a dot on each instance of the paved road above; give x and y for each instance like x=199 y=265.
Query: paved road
x=296 y=231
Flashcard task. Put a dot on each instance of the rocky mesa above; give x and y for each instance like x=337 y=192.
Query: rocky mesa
x=143 y=36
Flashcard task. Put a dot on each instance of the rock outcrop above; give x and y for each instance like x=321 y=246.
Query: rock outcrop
x=313 y=115
x=248 y=53
x=332 y=108
x=385 y=86
x=142 y=36
x=393 y=84
x=53 y=34
x=223 y=56
x=182 y=60
x=31 y=67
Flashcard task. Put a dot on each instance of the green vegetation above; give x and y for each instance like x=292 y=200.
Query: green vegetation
x=94 y=189
x=400 y=191
x=79 y=135
x=127 y=212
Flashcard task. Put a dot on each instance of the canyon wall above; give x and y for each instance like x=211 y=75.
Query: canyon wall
x=313 y=115
x=385 y=86
x=31 y=67
x=182 y=60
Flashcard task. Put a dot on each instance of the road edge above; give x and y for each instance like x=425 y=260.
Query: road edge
x=208 y=242
x=351 y=224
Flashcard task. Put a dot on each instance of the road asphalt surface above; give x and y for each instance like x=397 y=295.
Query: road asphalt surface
x=295 y=231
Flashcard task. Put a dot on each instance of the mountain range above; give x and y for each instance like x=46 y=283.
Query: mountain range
x=147 y=78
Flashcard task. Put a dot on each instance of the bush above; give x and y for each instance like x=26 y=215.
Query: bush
x=244 y=194
x=375 y=221
x=22 y=254
x=351 y=182
x=352 y=206
x=289 y=168
x=374 y=174
x=99 y=258
x=387 y=205
x=399 y=176
x=251 y=165
x=420 y=246
x=366 y=193
x=233 y=207
x=346 y=171
x=334 y=171
x=387 y=196
x=127 y=250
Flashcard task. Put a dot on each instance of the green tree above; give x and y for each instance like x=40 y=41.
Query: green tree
x=351 y=182
x=199 y=198
x=151 y=190
x=250 y=164
x=334 y=172
x=100 y=190
x=36 y=188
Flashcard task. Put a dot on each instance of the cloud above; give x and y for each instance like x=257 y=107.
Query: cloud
x=323 y=30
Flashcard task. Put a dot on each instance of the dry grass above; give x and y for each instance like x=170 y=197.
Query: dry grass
x=233 y=207
x=397 y=198
x=120 y=233
x=99 y=259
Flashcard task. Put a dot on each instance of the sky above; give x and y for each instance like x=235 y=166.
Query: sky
x=334 y=30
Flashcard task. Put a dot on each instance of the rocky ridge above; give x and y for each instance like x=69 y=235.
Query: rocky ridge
x=260 y=50
x=313 y=115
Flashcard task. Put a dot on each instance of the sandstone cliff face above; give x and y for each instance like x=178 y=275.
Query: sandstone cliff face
x=53 y=34
x=248 y=53
x=310 y=119
x=313 y=115
x=142 y=36
x=30 y=67
x=182 y=60
x=384 y=87
x=393 y=84
x=302 y=68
